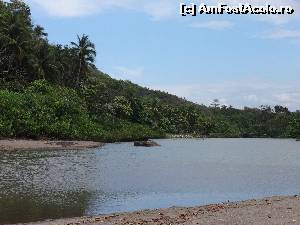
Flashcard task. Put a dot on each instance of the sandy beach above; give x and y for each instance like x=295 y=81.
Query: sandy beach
x=268 y=211
x=18 y=145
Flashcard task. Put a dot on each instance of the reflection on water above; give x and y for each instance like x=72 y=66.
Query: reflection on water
x=119 y=177
x=24 y=208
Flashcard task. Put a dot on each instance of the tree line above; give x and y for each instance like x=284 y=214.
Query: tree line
x=54 y=91
x=26 y=54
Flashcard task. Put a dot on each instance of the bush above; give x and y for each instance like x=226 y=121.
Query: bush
x=46 y=111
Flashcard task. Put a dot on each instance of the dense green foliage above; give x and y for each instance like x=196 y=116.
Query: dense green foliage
x=43 y=110
x=55 y=91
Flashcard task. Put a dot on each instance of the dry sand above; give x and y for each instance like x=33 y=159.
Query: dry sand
x=268 y=211
x=16 y=145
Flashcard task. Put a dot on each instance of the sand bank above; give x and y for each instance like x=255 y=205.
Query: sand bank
x=268 y=211
x=17 y=145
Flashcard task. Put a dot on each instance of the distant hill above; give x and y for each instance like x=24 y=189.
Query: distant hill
x=144 y=91
x=55 y=91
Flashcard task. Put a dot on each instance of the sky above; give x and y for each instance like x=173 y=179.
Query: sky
x=242 y=60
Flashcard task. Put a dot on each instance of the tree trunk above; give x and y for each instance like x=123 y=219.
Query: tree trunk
x=79 y=72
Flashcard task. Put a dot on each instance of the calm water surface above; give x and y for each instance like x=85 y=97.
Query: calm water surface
x=119 y=177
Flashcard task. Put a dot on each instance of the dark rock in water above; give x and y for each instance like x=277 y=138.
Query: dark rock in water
x=145 y=143
x=298 y=139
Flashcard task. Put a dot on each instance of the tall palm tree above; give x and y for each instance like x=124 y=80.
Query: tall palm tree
x=85 y=56
x=44 y=62
x=14 y=38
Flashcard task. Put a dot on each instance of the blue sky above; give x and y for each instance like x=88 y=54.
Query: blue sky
x=241 y=60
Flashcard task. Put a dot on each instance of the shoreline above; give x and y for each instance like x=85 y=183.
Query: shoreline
x=189 y=136
x=274 y=210
x=10 y=145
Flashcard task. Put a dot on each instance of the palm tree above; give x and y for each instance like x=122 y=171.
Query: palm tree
x=39 y=32
x=44 y=63
x=14 y=38
x=85 y=56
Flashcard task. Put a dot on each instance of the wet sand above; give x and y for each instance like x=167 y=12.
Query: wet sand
x=18 y=145
x=268 y=211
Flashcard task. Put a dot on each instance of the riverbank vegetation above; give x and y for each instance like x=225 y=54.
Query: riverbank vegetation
x=54 y=91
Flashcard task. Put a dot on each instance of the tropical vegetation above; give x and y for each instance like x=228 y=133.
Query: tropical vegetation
x=55 y=91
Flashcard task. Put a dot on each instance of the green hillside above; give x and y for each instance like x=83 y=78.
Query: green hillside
x=54 y=91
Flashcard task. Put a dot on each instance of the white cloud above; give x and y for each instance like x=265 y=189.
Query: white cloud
x=214 y=24
x=67 y=8
x=251 y=97
x=288 y=98
x=251 y=92
x=160 y=9
x=157 y=9
x=273 y=19
x=280 y=34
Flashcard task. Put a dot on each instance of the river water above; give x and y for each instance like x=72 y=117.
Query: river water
x=39 y=185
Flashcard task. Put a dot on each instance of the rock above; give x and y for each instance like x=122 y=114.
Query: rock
x=148 y=143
